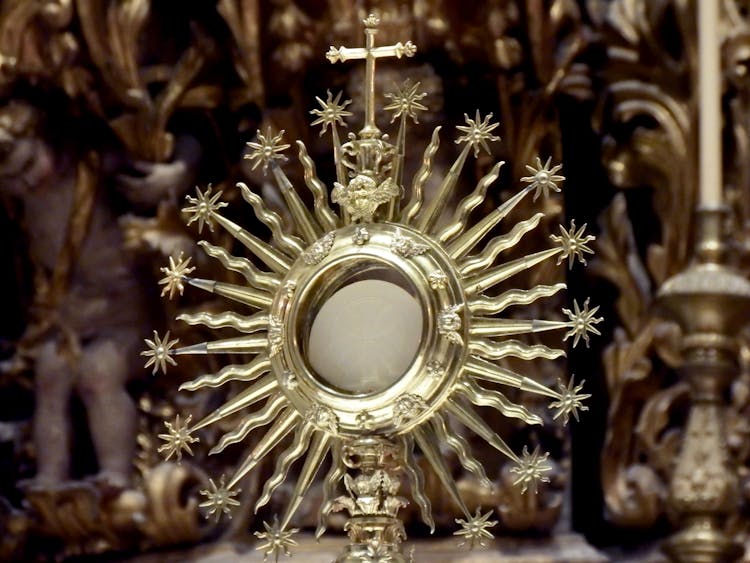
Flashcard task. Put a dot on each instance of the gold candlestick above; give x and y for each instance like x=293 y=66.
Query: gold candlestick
x=711 y=302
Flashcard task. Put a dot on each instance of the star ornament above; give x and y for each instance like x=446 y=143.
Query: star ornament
x=219 y=499
x=266 y=149
x=477 y=132
x=573 y=243
x=531 y=469
x=332 y=111
x=159 y=353
x=405 y=101
x=174 y=275
x=543 y=178
x=570 y=400
x=582 y=322
x=277 y=540
x=203 y=207
x=475 y=530
x=177 y=438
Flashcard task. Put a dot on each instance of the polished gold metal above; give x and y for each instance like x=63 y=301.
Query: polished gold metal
x=711 y=302
x=376 y=432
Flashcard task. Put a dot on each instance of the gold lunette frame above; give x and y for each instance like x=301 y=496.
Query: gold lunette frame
x=307 y=282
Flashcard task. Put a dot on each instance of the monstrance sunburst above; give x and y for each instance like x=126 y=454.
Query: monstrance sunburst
x=381 y=256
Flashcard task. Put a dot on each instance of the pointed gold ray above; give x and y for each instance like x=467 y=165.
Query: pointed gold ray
x=485 y=280
x=265 y=252
x=239 y=293
x=256 y=392
x=487 y=305
x=461 y=448
x=487 y=257
x=250 y=344
x=285 y=460
x=494 y=327
x=270 y=412
x=428 y=441
x=416 y=480
x=304 y=221
x=436 y=205
x=246 y=372
x=335 y=474
x=397 y=172
x=468 y=240
x=498 y=350
x=323 y=213
x=467 y=416
x=290 y=244
x=414 y=206
x=255 y=277
x=488 y=371
x=486 y=398
x=227 y=319
x=317 y=452
x=468 y=204
x=281 y=427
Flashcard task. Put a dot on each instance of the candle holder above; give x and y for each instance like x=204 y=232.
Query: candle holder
x=372 y=418
x=711 y=303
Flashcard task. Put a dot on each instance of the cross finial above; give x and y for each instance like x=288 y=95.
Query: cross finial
x=370 y=53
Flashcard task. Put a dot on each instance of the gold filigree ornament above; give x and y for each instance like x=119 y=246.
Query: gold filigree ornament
x=375 y=425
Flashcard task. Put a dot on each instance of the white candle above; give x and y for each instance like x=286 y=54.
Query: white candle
x=709 y=104
x=365 y=337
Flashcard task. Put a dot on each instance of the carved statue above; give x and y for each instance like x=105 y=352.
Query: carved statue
x=80 y=338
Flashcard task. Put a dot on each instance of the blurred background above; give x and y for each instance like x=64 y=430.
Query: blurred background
x=112 y=111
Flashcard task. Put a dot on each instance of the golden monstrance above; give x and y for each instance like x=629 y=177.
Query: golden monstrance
x=375 y=328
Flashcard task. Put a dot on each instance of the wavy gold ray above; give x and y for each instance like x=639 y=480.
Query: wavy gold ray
x=335 y=474
x=239 y=293
x=489 y=305
x=258 y=391
x=251 y=344
x=494 y=327
x=468 y=204
x=469 y=239
x=281 y=427
x=291 y=245
x=515 y=348
x=270 y=412
x=299 y=446
x=246 y=372
x=461 y=448
x=467 y=416
x=416 y=481
x=485 y=280
x=428 y=443
x=432 y=211
x=323 y=213
x=306 y=225
x=486 y=398
x=414 y=206
x=317 y=452
x=228 y=319
x=488 y=371
x=255 y=277
x=267 y=254
x=487 y=257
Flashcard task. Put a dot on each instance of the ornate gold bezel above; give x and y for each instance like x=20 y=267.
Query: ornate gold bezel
x=419 y=261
